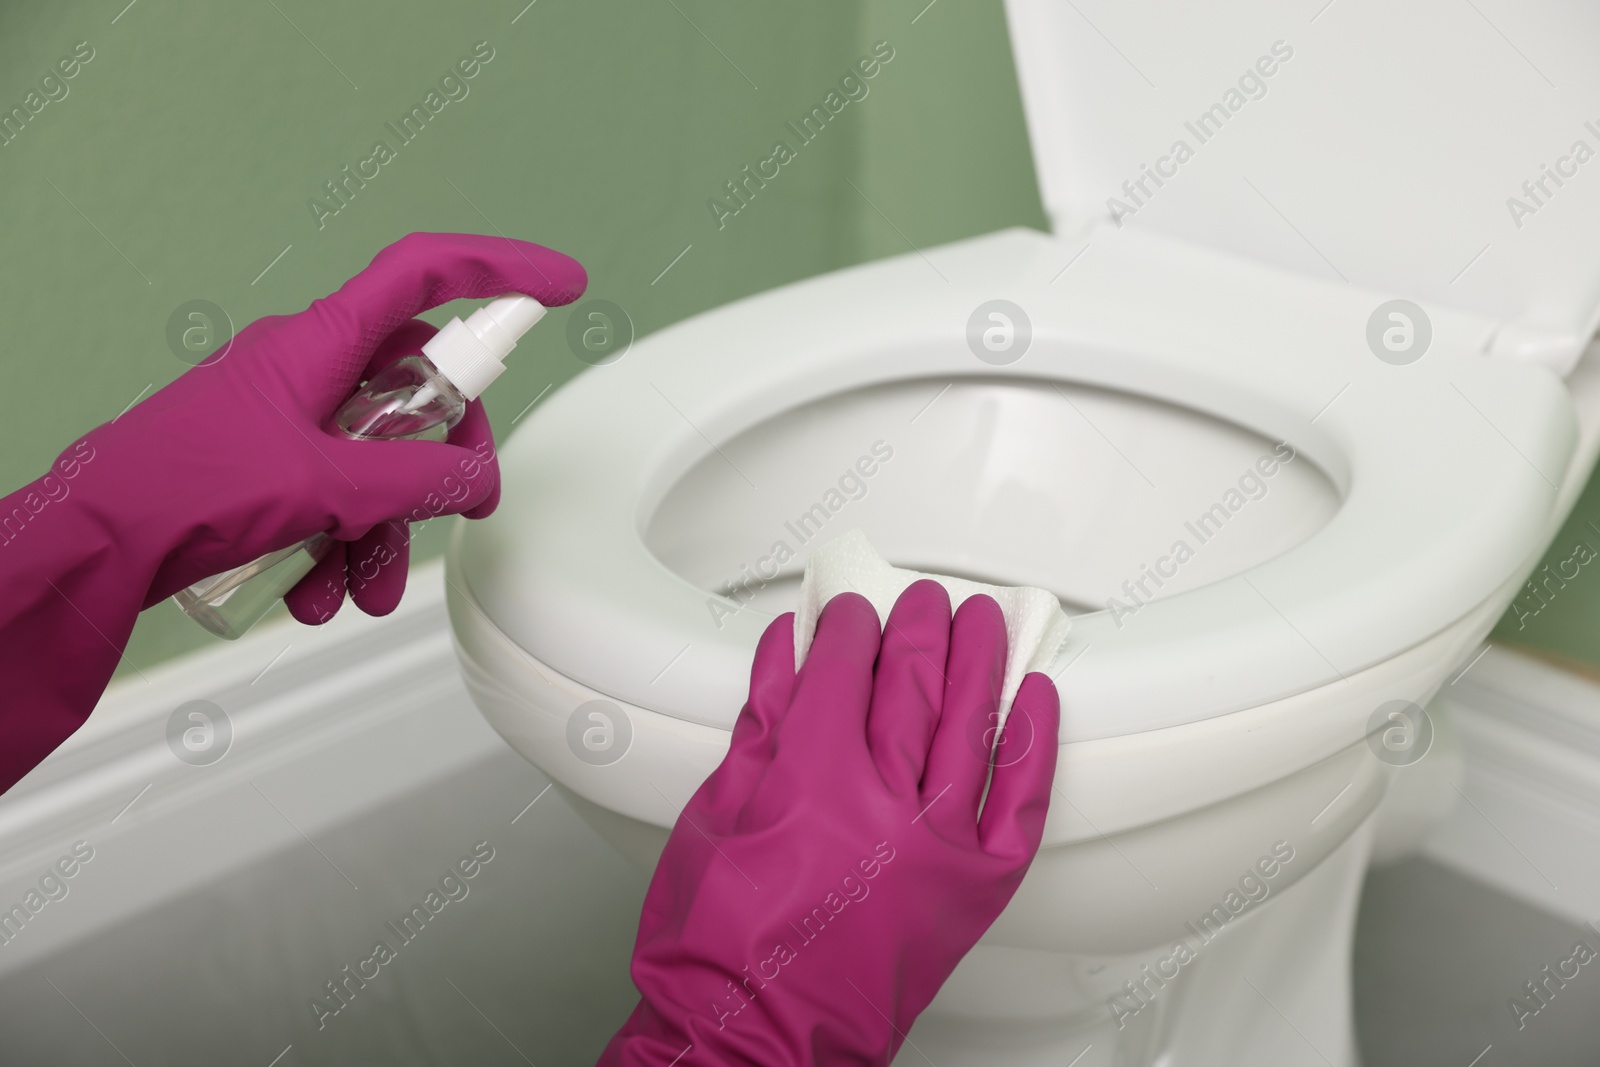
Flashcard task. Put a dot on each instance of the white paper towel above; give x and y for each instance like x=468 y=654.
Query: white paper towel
x=1036 y=626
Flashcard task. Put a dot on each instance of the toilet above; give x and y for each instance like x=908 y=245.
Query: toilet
x=1285 y=433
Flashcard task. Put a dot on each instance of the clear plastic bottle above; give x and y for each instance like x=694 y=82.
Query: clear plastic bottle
x=419 y=397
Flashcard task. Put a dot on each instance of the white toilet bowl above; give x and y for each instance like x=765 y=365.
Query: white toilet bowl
x=1352 y=527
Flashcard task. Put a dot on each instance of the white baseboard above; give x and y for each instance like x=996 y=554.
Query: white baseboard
x=1527 y=820
x=328 y=723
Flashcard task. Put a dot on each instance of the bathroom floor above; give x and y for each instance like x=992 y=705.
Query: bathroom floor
x=1439 y=956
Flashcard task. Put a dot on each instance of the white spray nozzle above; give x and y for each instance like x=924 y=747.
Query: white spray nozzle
x=472 y=354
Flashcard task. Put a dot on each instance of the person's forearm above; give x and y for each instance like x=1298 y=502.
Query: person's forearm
x=69 y=595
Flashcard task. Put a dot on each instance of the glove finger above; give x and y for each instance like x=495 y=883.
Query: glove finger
x=750 y=751
x=377 y=565
x=410 y=480
x=1019 y=793
x=958 y=759
x=424 y=270
x=827 y=717
x=475 y=435
x=908 y=685
x=316 y=598
x=406 y=340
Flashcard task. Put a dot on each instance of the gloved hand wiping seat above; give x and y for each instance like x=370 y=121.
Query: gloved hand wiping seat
x=825 y=880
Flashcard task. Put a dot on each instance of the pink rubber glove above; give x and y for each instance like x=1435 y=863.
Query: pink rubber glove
x=826 y=879
x=232 y=460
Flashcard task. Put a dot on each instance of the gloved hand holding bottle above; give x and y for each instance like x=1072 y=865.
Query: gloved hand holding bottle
x=236 y=459
x=824 y=881
x=417 y=397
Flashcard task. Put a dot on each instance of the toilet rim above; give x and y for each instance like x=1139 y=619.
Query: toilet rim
x=563 y=569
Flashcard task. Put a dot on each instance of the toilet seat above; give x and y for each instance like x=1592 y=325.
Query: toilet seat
x=1458 y=440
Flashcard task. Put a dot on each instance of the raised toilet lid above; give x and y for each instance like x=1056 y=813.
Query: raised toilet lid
x=1444 y=152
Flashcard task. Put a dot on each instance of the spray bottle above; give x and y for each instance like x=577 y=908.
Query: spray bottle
x=419 y=397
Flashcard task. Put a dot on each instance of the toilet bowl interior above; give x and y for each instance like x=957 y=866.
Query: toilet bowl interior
x=1106 y=499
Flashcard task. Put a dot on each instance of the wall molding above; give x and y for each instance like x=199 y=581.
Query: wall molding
x=287 y=690
x=1527 y=820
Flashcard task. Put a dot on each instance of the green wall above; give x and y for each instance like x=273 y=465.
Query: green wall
x=182 y=160
x=1558 y=613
